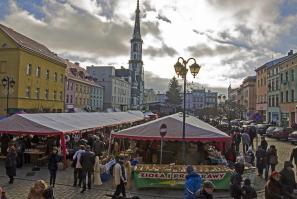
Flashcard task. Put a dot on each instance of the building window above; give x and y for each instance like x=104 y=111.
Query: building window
x=281 y=78
x=67 y=99
x=276 y=100
x=80 y=88
x=276 y=83
x=28 y=92
x=46 y=94
x=287 y=76
x=292 y=96
x=61 y=78
x=71 y=86
x=272 y=103
x=55 y=76
x=61 y=95
x=287 y=96
x=258 y=83
x=71 y=99
x=29 y=69
x=38 y=71
x=37 y=93
x=47 y=74
x=292 y=74
x=55 y=95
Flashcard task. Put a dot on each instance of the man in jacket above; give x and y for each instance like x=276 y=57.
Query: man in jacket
x=87 y=161
x=120 y=178
x=77 y=166
x=246 y=140
x=288 y=177
x=192 y=184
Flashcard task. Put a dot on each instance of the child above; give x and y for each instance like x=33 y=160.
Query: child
x=248 y=192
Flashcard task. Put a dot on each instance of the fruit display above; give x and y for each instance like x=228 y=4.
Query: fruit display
x=181 y=168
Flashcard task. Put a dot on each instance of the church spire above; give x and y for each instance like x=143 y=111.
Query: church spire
x=136 y=33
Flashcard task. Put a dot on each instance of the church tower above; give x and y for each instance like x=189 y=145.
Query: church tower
x=136 y=64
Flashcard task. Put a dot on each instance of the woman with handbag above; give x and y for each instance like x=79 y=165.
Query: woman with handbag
x=97 y=172
x=11 y=163
x=272 y=160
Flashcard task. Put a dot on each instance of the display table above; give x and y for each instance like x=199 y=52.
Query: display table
x=165 y=176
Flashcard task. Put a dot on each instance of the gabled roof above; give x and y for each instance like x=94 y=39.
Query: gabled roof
x=276 y=61
x=30 y=45
x=196 y=130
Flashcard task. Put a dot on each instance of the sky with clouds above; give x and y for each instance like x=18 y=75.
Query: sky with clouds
x=229 y=38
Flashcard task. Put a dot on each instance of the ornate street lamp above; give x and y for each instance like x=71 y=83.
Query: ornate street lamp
x=7 y=83
x=181 y=70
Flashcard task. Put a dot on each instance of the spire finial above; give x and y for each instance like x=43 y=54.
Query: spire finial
x=137 y=4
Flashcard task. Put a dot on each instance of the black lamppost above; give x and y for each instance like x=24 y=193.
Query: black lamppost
x=7 y=83
x=181 y=70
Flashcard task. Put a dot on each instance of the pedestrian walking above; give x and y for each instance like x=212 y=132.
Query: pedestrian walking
x=20 y=149
x=207 y=190
x=263 y=143
x=250 y=156
x=273 y=189
x=192 y=184
x=128 y=169
x=287 y=178
x=261 y=160
x=53 y=160
x=231 y=155
x=248 y=192
x=120 y=177
x=11 y=163
x=2 y=194
x=252 y=131
x=87 y=161
x=294 y=157
x=235 y=181
x=246 y=140
x=36 y=192
x=272 y=160
x=237 y=139
x=77 y=166
x=97 y=172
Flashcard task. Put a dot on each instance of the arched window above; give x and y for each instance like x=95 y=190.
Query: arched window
x=134 y=47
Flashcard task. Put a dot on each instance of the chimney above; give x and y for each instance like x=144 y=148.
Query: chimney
x=76 y=63
x=290 y=52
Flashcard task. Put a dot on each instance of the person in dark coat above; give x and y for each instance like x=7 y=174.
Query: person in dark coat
x=235 y=181
x=287 y=178
x=272 y=160
x=53 y=160
x=261 y=160
x=20 y=148
x=192 y=184
x=5 y=139
x=231 y=154
x=263 y=143
x=237 y=139
x=87 y=161
x=273 y=189
x=248 y=192
x=11 y=163
x=207 y=190
x=294 y=156
x=252 y=131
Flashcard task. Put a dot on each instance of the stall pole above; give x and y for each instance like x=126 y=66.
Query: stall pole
x=109 y=142
x=63 y=145
x=161 y=151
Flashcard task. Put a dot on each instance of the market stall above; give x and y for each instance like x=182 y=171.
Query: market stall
x=207 y=138
x=61 y=124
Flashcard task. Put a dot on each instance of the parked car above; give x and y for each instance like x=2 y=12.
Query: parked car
x=282 y=133
x=261 y=128
x=269 y=130
x=293 y=137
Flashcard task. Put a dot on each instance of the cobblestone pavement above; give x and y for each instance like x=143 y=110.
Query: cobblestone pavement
x=25 y=179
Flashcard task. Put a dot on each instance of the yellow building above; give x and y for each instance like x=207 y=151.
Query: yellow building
x=38 y=74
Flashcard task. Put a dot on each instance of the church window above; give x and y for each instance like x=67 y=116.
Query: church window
x=134 y=47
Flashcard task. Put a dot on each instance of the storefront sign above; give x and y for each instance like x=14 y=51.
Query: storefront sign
x=179 y=176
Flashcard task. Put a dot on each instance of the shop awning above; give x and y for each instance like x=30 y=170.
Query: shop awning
x=56 y=123
x=196 y=130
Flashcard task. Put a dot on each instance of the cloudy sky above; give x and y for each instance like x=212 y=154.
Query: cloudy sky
x=229 y=38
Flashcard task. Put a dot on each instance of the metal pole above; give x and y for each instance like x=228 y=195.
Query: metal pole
x=184 y=119
x=161 y=152
x=7 y=96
